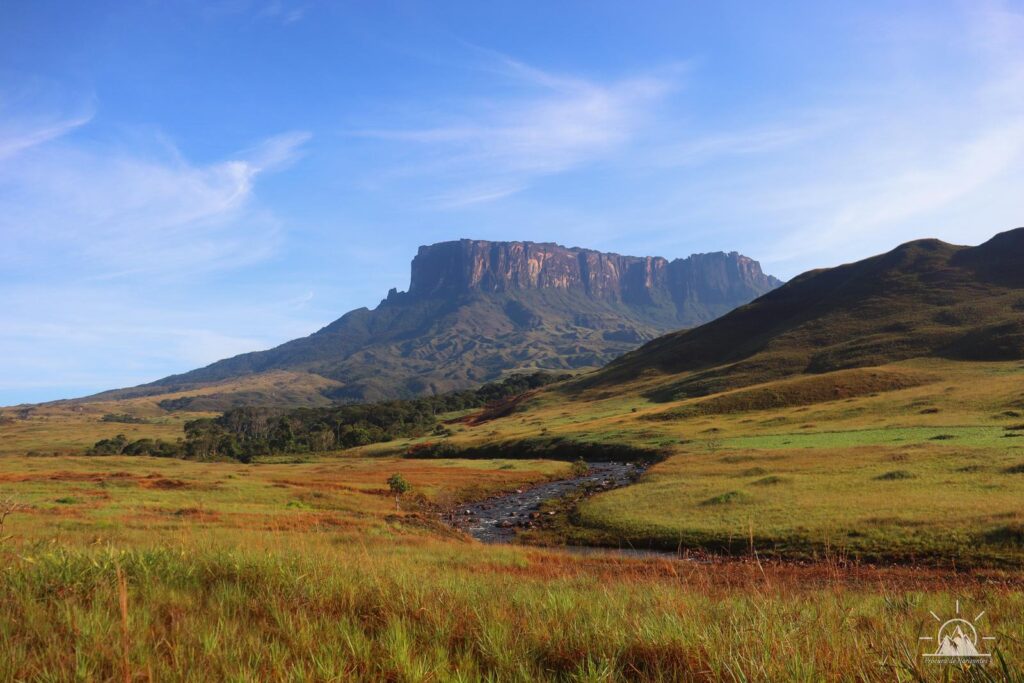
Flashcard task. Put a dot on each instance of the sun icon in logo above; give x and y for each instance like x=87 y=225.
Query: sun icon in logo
x=957 y=640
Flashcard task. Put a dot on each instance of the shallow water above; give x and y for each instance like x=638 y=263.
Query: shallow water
x=495 y=520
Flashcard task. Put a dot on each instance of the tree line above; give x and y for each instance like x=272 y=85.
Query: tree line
x=244 y=433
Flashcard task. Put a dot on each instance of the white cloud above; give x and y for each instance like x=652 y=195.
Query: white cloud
x=887 y=155
x=494 y=148
x=102 y=243
x=475 y=194
x=105 y=211
x=17 y=137
x=34 y=111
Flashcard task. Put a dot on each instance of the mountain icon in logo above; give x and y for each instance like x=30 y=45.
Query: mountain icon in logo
x=959 y=646
x=958 y=641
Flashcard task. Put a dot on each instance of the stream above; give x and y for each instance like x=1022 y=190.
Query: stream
x=495 y=520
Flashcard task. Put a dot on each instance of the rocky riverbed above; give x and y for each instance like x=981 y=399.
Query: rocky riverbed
x=496 y=520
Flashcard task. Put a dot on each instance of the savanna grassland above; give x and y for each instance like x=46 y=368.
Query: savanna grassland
x=158 y=569
x=824 y=532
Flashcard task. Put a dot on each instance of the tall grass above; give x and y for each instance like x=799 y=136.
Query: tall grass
x=444 y=612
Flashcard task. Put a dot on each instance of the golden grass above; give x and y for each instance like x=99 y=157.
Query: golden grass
x=172 y=570
x=67 y=429
x=124 y=500
x=439 y=611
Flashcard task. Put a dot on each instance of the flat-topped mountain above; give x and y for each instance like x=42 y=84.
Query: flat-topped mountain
x=922 y=299
x=474 y=311
x=465 y=266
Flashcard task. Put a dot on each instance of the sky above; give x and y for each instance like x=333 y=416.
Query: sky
x=181 y=182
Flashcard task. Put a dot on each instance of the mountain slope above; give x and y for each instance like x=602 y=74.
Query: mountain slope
x=477 y=309
x=924 y=298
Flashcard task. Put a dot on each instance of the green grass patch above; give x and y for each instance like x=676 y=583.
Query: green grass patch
x=939 y=504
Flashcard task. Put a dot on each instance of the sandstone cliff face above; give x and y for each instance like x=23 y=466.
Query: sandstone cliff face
x=466 y=266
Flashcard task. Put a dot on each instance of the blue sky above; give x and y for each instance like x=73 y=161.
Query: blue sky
x=181 y=182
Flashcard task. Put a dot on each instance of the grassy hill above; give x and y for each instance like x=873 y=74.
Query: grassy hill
x=922 y=299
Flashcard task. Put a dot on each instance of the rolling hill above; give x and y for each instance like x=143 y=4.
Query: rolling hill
x=474 y=311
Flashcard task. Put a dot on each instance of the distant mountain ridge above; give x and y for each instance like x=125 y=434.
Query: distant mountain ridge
x=475 y=310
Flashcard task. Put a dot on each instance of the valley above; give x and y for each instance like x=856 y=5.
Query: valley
x=884 y=484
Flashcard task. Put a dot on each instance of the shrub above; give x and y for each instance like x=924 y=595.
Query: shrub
x=398 y=486
x=895 y=475
x=580 y=468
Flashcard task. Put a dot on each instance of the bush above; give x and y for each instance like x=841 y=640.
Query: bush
x=895 y=475
x=580 y=468
x=120 y=445
x=123 y=417
x=398 y=486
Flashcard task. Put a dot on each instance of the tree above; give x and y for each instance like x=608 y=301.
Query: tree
x=398 y=486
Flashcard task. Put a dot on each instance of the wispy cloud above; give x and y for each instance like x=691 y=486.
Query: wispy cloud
x=550 y=124
x=950 y=167
x=906 y=149
x=105 y=211
x=15 y=137
x=280 y=11
x=286 y=13
x=476 y=194
x=113 y=232
x=700 y=148
x=34 y=112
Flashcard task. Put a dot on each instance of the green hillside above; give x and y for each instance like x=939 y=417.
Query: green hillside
x=924 y=298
